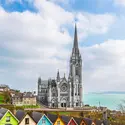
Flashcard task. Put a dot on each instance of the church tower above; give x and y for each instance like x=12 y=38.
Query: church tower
x=75 y=74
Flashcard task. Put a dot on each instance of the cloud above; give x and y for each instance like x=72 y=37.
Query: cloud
x=34 y=44
x=104 y=66
x=65 y=2
x=94 y=23
x=119 y=2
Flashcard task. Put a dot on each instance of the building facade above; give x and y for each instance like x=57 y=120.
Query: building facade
x=26 y=98
x=62 y=92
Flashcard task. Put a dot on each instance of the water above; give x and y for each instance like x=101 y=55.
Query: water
x=108 y=100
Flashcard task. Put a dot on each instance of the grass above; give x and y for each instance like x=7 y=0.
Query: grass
x=30 y=106
x=27 y=106
x=75 y=114
x=1 y=99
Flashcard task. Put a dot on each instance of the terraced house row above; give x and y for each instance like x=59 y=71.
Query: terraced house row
x=36 y=118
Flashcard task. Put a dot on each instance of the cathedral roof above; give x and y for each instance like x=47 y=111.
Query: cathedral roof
x=53 y=83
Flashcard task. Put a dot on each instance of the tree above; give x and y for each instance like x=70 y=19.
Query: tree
x=7 y=97
x=121 y=106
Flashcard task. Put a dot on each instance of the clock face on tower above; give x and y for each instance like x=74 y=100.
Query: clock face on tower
x=64 y=87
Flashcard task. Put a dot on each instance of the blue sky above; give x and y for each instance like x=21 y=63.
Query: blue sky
x=36 y=38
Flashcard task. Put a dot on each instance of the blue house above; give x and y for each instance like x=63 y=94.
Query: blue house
x=44 y=121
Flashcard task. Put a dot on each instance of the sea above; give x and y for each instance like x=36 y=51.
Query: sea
x=109 y=100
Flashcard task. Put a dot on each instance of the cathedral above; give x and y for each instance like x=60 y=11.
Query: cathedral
x=62 y=92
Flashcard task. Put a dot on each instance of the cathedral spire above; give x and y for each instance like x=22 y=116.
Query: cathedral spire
x=58 y=76
x=39 y=80
x=75 y=45
x=75 y=38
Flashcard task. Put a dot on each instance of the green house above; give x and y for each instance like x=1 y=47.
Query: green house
x=7 y=118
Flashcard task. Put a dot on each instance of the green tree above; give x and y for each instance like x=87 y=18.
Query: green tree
x=7 y=97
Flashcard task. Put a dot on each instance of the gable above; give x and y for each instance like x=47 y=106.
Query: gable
x=83 y=123
x=93 y=123
x=9 y=118
x=44 y=119
x=31 y=121
x=59 y=120
x=72 y=122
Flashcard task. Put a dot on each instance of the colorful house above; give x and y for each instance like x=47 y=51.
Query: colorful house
x=80 y=121
x=52 y=118
x=44 y=121
x=7 y=118
x=86 y=121
x=36 y=116
x=56 y=119
x=99 y=122
x=68 y=120
x=59 y=121
x=27 y=120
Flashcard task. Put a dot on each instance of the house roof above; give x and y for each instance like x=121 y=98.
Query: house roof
x=28 y=95
x=36 y=116
x=65 y=119
x=20 y=114
x=18 y=95
x=29 y=116
x=4 y=86
x=3 y=112
x=105 y=122
x=78 y=120
x=52 y=117
x=98 y=122
x=88 y=121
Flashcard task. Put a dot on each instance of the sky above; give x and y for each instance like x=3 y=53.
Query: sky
x=36 y=39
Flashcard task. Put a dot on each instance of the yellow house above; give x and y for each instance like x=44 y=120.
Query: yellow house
x=59 y=121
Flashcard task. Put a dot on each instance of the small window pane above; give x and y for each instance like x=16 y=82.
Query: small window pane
x=58 y=122
x=8 y=119
x=26 y=120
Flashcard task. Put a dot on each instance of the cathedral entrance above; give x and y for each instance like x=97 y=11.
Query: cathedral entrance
x=63 y=102
x=52 y=104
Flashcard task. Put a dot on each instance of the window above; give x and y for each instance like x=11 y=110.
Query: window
x=77 y=71
x=61 y=104
x=26 y=121
x=43 y=121
x=58 y=122
x=8 y=119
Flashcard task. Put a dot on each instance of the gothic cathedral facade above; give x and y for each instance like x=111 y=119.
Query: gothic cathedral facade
x=62 y=92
